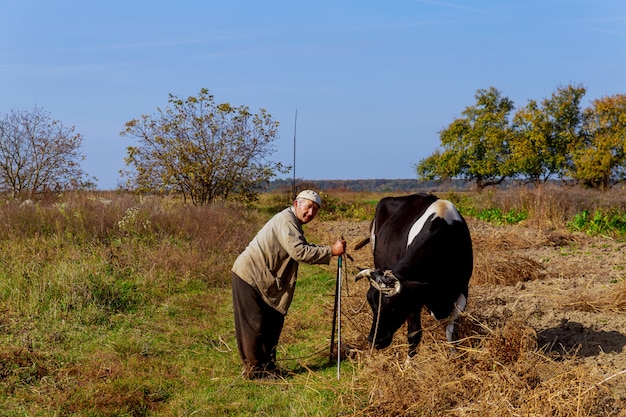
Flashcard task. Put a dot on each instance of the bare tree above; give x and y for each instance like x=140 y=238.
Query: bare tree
x=39 y=154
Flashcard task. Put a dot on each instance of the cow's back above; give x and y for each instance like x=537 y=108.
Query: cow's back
x=392 y=222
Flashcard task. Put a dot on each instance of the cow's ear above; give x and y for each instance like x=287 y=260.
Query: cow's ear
x=414 y=284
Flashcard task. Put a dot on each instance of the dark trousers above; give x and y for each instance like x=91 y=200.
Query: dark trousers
x=257 y=327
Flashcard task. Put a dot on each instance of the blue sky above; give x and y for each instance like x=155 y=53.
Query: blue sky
x=373 y=82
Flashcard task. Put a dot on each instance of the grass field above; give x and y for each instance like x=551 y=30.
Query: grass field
x=115 y=305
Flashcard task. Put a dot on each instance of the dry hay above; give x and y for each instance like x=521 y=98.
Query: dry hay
x=500 y=373
x=606 y=299
x=496 y=253
x=498 y=369
x=505 y=269
x=487 y=237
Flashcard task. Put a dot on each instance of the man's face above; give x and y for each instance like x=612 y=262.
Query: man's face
x=305 y=210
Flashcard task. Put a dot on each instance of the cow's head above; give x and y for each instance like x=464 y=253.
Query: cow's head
x=391 y=300
x=384 y=281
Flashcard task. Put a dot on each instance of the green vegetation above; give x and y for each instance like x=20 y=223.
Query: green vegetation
x=496 y=216
x=114 y=305
x=487 y=209
x=215 y=152
x=335 y=208
x=600 y=222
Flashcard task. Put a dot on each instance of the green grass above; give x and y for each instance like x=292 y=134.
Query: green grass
x=176 y=356
x=135 y=318
x=310 y=387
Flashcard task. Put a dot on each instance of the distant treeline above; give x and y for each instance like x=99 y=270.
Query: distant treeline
x=373 y=185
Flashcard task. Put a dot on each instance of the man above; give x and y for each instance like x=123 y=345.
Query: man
x=264 y=280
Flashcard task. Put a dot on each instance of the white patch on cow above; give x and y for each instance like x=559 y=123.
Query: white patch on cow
x=440 y=208
x=373 y=235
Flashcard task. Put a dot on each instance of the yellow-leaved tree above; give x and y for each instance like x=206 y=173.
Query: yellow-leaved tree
x=546 y=135
x=600 y=161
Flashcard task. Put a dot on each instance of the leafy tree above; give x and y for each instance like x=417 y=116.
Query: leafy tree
x=204 y=150
x=476 y=146
x=600 y=161
x=546 y=134
x=39 y=154
x=529 y=143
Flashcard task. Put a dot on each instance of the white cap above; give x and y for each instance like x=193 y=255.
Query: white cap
x=310 y=195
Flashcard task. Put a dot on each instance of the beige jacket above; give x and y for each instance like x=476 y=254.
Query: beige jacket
x=270 y=261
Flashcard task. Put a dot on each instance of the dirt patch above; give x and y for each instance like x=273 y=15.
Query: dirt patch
x=571 y=304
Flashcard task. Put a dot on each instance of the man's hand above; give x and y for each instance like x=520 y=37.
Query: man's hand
x=338 y=248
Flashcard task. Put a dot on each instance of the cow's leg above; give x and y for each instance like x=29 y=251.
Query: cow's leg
x=459 y=306
x=414 y=330
x=450 y=322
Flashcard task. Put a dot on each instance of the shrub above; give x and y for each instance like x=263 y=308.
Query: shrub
x=600 y=223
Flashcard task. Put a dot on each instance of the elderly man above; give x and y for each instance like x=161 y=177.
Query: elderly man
x=264 y=280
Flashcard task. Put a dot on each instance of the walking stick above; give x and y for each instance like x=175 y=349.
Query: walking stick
x=337 y=319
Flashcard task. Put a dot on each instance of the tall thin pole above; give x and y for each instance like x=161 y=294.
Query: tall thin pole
x=293 y=185
x=336 y=325
x=339 y=317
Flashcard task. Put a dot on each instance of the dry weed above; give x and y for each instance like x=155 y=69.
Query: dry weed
x=505 y=269
x=495 y=262
x=611 y=298
x=501 y=373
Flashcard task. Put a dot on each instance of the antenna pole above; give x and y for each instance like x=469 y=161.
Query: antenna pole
x=293 y=185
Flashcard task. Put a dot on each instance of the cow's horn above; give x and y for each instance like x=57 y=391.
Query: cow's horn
x=396 y=289
x=366 y=273
x=397 y=286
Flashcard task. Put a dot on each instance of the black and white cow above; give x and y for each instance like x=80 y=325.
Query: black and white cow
x=423 y=257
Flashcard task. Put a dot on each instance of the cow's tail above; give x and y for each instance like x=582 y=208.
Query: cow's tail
x=361 y=243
